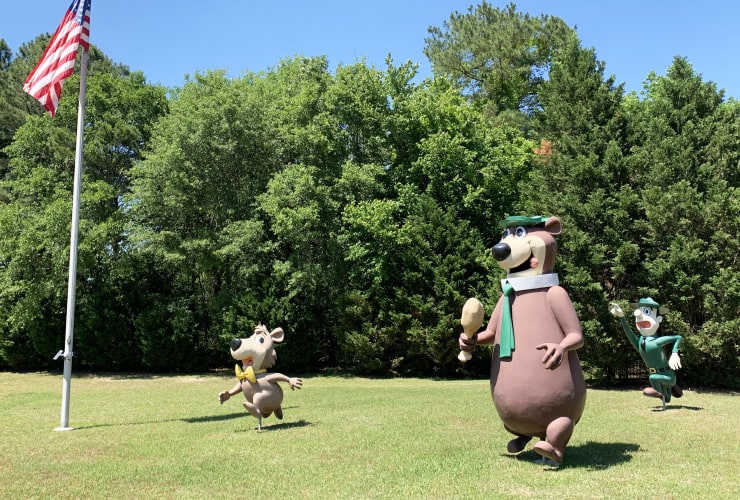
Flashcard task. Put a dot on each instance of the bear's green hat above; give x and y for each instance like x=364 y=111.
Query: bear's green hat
x=520 y=220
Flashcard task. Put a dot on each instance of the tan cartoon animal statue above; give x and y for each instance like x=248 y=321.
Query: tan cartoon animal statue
x=257 y=354
x=536 y=380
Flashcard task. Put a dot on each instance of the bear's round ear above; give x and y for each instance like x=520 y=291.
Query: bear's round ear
x=277 y=335
x=553 y=226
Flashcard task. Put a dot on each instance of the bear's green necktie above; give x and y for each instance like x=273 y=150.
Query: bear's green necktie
x=506 y=344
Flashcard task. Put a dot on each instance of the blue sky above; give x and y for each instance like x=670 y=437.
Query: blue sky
x=167 y=39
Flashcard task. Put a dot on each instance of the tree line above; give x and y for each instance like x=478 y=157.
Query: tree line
x=356 y=208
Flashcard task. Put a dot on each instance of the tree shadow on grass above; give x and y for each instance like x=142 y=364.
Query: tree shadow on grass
x=590 y=455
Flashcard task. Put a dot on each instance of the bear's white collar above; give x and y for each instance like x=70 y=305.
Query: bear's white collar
x=532 y=282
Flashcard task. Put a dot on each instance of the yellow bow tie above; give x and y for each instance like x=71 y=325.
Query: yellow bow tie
x=249 y=374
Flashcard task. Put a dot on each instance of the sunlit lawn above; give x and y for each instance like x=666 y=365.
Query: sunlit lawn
x=142 y=436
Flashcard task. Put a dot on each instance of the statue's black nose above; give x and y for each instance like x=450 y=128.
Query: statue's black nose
x=501 y=250
x=236 y=344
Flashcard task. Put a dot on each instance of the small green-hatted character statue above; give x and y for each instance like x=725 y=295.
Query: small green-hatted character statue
x=652 y=347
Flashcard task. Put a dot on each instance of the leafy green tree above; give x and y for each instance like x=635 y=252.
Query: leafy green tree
x=500 y=57
x=452 y=152
x=35 y=248
x=209 y=158
x=686 y=170
x=9 y=119
x=581 y=175
x=357 y=209
x=416 y=253
x=15 y=104
x=294 y=92
x=359 y=102
x=302 y=217
x=5 y=55
x=302 y=204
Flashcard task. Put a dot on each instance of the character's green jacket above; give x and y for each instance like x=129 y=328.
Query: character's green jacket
x=651 y=348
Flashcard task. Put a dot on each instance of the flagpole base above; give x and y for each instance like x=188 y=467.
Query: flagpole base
x=60 y=429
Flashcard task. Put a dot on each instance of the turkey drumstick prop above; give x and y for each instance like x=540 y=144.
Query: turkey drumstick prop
x=471 y=321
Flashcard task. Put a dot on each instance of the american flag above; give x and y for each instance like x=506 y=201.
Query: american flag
x=58 y=61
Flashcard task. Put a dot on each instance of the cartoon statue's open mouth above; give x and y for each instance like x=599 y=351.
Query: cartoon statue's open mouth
x=523 y=266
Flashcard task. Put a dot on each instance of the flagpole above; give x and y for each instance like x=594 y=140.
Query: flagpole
x=72 y=281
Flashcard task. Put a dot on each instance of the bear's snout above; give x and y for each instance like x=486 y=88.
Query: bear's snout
x=501 y=251
x=236 y=344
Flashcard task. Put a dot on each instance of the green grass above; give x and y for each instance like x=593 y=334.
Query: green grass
x=168 y=437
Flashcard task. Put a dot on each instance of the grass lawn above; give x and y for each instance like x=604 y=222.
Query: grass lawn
x=142 y=436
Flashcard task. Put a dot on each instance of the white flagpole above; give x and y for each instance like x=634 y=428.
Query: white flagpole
x=72 y=281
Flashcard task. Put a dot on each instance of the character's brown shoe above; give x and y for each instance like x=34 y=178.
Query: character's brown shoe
x=676 y=391
x=652 y=393
x=548 y=451
x=517 y=444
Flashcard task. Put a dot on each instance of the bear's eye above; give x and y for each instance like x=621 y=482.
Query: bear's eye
x=520 y=232
x=506 y=233
x=261 y=340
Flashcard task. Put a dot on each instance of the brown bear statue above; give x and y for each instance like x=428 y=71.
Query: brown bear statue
x=537 y=384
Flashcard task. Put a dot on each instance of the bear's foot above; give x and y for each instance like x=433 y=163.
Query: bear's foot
x=651 y=393
x=517 y=444
x=548 y=451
